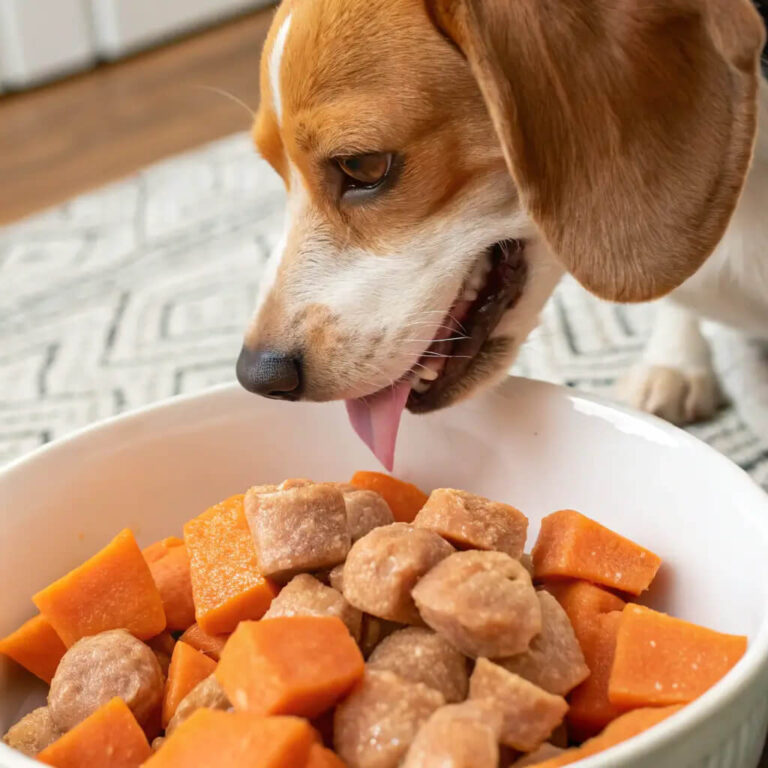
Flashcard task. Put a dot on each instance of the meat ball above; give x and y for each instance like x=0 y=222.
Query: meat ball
x=304 y=595
x=96 y=669
x=207 y=694
x=422 y=656
x=474 y=522
x=300 y=529
x=375 y=724
x=366 y=510
x=484 y=603
x=384 y=565
x=33 y=733
x=457 y=736
x=529 y=713
x=554 y=661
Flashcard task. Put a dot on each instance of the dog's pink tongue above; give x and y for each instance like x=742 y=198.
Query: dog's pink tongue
x=376 y=419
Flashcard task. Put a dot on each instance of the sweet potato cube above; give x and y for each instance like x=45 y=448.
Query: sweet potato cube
x=474 y=522
x=210 y=645
x=404 y=499
x=236 y=740
x=590 y=708
x=188 y=667
x=114 y=589
x=529 y=713
x=227 y=584
x=622 y=729
x=109 y=738
x=300 y=529
x=169 y=563
x=36 y=646
x=574 y=546
x=298 y=665
x=583 y=602
x=661 y=660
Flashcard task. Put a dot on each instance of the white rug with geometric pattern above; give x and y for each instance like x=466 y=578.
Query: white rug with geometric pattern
x=141 y=290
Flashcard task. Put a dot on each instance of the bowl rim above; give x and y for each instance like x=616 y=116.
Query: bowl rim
x=749 y=671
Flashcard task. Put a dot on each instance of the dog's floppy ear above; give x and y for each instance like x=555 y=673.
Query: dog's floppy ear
x=628 y=125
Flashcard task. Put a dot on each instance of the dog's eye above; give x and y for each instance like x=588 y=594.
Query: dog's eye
x=364 y=171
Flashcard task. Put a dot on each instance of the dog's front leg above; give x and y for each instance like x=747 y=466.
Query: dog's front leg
x=675 y=378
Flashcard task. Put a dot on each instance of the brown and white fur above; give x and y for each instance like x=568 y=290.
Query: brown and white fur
x=614 y=137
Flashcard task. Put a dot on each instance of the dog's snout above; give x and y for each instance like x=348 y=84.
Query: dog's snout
x=270 y=373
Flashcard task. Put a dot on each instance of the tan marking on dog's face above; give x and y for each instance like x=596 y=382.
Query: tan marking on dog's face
x=360 y=288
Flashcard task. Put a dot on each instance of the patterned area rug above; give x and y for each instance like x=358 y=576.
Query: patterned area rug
x=141 y=290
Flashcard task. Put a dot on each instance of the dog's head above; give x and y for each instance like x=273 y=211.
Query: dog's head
x=445 y=160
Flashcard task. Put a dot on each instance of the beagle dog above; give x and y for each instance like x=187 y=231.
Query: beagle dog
x=446 y=161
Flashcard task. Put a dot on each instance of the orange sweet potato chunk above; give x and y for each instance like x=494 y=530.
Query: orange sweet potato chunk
x=321 y=757
x=210 y=645
x=583 y=602
x=227 y=585
x=574 y=546
x=114 y=589
x=169 y=563
x=590 y=708
x=109 y=738
x=404 y=499
x=36 y=646
x=236 y=740
x=290 y=665
x=622 y=729
x=188 y=667
x=661 y=660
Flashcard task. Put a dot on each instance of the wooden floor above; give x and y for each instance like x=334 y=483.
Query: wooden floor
x=80 y=133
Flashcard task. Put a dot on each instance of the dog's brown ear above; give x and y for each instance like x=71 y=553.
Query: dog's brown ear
x=628 y=125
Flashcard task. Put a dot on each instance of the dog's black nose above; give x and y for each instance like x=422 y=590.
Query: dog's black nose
x=269 y=373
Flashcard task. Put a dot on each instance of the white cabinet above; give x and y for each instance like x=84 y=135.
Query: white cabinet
x=40 y=39
x=121 y=26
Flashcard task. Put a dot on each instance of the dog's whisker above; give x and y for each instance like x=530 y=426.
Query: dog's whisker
x=230 y=96
x=429 y=341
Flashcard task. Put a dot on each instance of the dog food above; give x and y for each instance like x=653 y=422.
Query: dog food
x=366 y=510
x=97 y=669
x=109 y=738
x=114 y=589
x=228 y=585
x=483 y=602
x=660 y=660
x=36 y=646
x=188 y=667
x=302 y=528
x=169 y=565
x=554 y=660
x=245 y=643
x=473 y=522
x=422 y=656
x=206 y=694
x=529 y=714
x=304 y=595
x=462 y=735
x=571 y=544
x=33 y=733
x=383 y=567
x=376 y=723
x=298 y=665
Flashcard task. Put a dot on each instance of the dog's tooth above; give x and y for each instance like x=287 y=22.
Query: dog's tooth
x=470 y=294
x=428 y=374
x=420 y=386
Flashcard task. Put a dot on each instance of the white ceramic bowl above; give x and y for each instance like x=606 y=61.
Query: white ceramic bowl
x=534 y=445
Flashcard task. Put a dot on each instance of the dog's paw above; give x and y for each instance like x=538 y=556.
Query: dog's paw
x=675 y=395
